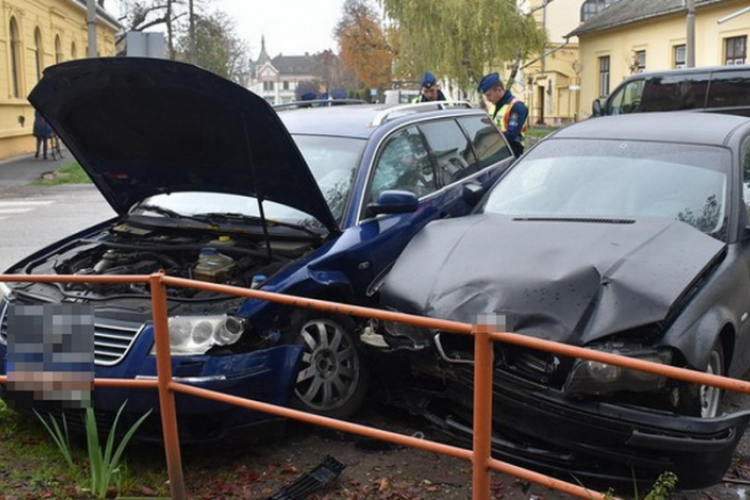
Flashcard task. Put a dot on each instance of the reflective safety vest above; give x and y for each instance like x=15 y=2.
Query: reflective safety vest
x=502 y=116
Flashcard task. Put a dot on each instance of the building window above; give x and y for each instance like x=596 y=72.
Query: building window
x=268 y=86
x=15 y=57
x=640 y=61
x=590 y=8
x=735 y=49
x=603 y=76
x=58 y=50
x=680 y=56
x=285 y=85
x=38 y=55
x=73 y=51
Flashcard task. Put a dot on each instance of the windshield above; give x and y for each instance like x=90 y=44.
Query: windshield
x=333 y=162
x=617 y=179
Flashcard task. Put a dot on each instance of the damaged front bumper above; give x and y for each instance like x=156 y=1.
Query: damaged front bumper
x=598 y=443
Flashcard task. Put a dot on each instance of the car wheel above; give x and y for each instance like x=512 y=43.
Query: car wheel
x=333 y=377
x=710 y=396
x=704 y=400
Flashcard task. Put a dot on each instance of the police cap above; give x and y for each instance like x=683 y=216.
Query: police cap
x=428 y=80
x=488 y=81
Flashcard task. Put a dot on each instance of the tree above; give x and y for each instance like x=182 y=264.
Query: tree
x=461 y=39
x=364 y=46
x=216 y=46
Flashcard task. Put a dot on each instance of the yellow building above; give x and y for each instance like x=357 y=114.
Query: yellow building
x=550 y=80
x=632 y=36
x=35 y=34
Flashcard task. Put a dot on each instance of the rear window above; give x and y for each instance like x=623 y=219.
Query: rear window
x=729 y=89
x=674 y=92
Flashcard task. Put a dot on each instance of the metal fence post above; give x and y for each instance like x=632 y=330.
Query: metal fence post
x=166 y=395
x=482 y=412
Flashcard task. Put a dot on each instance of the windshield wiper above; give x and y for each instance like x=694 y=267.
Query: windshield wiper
x=219 y=217
x=167 y=213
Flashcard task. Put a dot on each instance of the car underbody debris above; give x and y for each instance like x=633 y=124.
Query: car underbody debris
x=310 y=482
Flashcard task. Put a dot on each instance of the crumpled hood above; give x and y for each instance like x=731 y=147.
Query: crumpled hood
x=142 y=126
x=567 y=281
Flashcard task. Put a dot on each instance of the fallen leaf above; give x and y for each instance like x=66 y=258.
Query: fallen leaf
x=383 y=484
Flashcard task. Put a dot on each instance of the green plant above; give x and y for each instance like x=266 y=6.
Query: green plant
x=60 y=437
x=663 y=486
x=104 y=464
x=69 y=172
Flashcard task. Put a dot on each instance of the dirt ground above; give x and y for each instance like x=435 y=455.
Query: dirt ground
x=381 y=471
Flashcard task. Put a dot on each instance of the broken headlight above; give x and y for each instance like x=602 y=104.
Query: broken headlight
x=596 y=378
x=418 y=336
x=193 y=335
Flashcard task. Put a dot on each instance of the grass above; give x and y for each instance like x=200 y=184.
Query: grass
x=69 y=173
x=539 y=131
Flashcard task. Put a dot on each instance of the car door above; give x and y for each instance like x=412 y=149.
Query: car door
x=433 y=159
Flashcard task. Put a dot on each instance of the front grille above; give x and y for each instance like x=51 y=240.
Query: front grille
x=538 y=366
x=112 y=339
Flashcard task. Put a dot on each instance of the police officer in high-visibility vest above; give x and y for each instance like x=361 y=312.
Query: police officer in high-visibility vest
x=510 y=113
x=430 y=89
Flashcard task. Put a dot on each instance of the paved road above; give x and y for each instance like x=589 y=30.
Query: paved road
x=32 y=217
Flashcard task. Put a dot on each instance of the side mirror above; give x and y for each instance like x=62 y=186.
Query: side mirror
x=394 y=202
x=596 y=108
x=472 y=193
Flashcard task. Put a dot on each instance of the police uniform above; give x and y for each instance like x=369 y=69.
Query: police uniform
x=428 y=81
x=510 y=114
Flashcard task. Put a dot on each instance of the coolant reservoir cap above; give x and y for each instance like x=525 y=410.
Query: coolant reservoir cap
x=209 y=251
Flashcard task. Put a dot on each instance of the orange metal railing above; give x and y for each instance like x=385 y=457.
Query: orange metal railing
x=479 y=455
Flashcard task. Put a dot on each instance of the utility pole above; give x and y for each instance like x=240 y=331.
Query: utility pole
x=91 y=24
x=690 y=45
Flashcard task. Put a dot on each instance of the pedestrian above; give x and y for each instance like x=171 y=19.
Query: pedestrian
x=510 y=113
x=42 y=132
x=430 y=89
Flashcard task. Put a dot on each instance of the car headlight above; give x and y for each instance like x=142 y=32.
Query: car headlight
x=192 y=335
x=596 y=378
x=4 y=292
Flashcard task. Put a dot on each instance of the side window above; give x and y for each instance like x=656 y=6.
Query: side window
x=627 y=99
x=455 y=159
x=729 y=89
x=404 y=164
x=746 y=176
x=675 y=92
x=488 y=141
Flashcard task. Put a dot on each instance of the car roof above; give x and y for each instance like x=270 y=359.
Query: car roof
x=685 y=127
x=359 y=120
x=690 y=71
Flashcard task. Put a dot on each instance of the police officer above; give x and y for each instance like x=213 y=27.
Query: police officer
x=510 y=113
x=430 y=89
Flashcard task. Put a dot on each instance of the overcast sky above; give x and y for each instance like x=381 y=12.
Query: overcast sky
x=291 y=27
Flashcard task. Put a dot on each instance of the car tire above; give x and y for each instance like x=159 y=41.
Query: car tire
x=334 y=375
x=705 y=400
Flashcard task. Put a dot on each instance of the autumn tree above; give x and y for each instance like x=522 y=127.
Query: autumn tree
x=461 y=39
x=364 y=47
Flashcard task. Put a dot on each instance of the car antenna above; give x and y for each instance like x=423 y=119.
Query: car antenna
x=258 y=193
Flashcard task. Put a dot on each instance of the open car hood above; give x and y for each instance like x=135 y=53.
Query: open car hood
x=570 y=282
x=141 y=127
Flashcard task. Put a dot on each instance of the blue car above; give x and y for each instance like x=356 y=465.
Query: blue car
x=211 y=183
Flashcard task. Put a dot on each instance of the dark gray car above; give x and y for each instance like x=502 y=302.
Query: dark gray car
x=624 y=234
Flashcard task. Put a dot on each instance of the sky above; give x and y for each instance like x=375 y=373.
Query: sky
x=291 y=27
